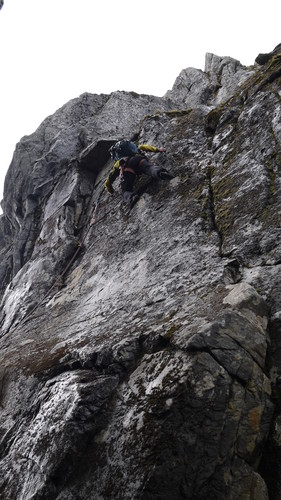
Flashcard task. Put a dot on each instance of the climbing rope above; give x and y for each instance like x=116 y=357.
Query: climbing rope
x=69 y=263
x=93 y=221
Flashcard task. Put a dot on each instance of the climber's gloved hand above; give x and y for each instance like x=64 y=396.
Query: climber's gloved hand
x=162 y=150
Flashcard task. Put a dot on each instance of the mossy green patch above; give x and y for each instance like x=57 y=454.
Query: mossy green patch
x=177 y=112
x=170 y=316
x=212 y=119
x=223 y=188
x=170 y=332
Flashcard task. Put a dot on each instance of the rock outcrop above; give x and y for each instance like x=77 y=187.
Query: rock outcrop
x=264 y=58
x=149 y=367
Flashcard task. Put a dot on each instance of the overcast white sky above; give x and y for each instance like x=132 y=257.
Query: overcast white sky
x=53 y=51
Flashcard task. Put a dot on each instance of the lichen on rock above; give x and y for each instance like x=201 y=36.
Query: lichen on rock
x=149 y=367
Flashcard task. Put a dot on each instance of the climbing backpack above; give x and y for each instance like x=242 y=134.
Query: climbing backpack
x=123 y=149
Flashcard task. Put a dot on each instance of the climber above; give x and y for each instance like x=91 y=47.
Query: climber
x=129 y=161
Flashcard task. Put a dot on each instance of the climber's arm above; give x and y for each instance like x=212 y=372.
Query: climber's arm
x=152 y=149
x=112 y=177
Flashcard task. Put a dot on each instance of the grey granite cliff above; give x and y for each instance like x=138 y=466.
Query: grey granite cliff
x=151 y=368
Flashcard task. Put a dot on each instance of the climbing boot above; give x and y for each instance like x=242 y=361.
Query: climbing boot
x=133 y=200
x=165 y=176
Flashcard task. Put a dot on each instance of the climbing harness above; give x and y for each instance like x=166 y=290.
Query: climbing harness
x=123 y=167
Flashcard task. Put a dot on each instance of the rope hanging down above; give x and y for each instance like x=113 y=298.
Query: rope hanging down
x=68 y=265
x=93 y=221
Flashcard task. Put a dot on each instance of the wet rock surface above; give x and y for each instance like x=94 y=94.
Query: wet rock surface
x=149 y=367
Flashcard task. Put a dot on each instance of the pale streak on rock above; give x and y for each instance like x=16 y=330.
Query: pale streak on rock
x=146 y=371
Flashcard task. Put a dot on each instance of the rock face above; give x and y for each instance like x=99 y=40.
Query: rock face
x=149 y=365
x=264 y=58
